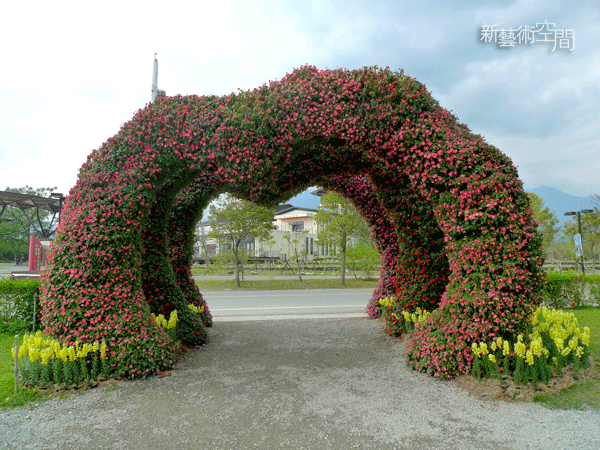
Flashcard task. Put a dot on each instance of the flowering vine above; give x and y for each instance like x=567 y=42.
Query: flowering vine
x=447 y=210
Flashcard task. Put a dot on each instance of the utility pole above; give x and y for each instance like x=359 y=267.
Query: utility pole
x=155 y=91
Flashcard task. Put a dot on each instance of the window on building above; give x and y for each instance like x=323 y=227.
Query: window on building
x=297 y=226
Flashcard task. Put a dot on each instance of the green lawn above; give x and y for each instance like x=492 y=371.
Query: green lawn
x=275 y=284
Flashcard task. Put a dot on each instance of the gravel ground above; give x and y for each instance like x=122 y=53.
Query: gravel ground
x=293 y=384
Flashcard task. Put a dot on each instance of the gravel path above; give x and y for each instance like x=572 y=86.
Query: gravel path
x=293 y=384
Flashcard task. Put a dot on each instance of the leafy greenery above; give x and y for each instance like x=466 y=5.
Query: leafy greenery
x=339 y=222
x=17 y=305
x=275 y=284
x=452 y=221
x=8 y=398
x=570 y=289
x=235 y=221
x=546 y=219
x=363 y=259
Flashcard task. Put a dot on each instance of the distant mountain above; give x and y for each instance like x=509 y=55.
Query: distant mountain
x=560 y=203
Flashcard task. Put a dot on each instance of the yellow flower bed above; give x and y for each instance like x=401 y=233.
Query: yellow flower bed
x=43 y=360
x=555 y=341
x=396 y=324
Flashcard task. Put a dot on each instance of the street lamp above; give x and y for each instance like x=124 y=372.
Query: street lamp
x=579 y=213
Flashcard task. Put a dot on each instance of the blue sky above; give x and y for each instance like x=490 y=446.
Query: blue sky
x=72 y=72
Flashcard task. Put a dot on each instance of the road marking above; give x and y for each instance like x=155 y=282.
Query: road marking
x=291 y=293
x=284 y=307
x=289 y=317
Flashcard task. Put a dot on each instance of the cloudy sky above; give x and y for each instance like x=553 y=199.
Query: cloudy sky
x=72 y=72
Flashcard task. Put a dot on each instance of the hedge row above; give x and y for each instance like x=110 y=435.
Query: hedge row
x=570 y=289
x=16 y=305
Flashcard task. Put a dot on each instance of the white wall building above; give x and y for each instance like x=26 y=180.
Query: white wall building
x=297 y=220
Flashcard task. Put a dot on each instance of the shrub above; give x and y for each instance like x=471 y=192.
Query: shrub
x=17 y=305
x=570 y=289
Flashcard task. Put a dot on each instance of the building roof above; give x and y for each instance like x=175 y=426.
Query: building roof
x=306 y=200
x=286 y=208
x=26 y=201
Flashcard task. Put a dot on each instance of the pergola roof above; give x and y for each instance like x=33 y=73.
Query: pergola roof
x=26 y=201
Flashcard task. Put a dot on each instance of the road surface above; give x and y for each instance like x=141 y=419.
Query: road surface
x=295 y=304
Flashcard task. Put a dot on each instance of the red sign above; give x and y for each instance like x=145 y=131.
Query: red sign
x=35 y=253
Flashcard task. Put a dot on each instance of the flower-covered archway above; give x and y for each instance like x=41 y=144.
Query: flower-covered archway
x=447 y=211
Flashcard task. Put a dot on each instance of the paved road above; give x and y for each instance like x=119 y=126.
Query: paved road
x=6 y=269
x=265 y=305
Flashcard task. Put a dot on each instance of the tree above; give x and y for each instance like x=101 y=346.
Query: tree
x=293 y=239
x=234 y=221
x=547 y=221
x=363 y=257
x=17 y=225
x=590 y=233
x=339 y=221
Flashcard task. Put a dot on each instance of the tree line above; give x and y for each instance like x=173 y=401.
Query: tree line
x=234 y=221
x=558 y=243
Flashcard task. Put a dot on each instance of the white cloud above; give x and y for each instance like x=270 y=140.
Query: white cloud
x=74 y=72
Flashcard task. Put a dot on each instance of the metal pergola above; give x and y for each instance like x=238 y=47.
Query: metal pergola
x=26 y=201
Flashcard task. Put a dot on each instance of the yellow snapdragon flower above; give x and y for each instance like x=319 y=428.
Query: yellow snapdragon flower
x=585 y=336
x=483 y=349
x=520 y=349
x=529 y=357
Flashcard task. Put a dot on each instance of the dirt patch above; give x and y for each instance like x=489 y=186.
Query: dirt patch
x=493 y=389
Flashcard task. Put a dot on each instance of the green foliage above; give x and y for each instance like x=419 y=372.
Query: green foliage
x=363 y=258
x=546 y=219
x=451 y=217
x=553 y=341
x=339 y=222
x=17 y=304
x=234 y=221
x=570 y=289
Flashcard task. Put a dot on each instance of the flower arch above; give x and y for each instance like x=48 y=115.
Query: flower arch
x=448 y=211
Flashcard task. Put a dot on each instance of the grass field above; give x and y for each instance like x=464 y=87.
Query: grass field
x=275 y=284
x=577 y=397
